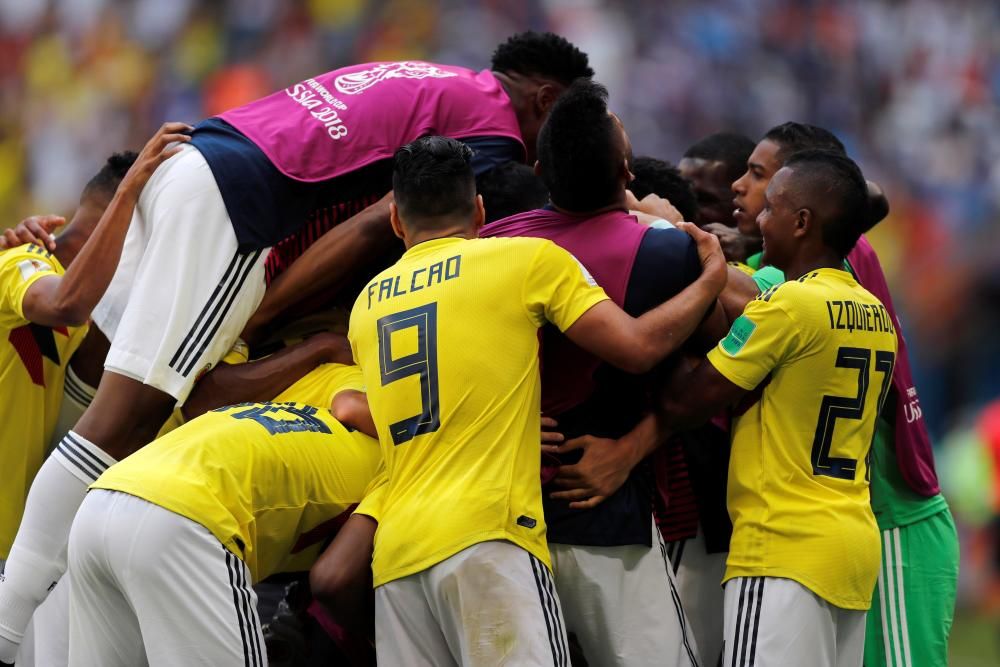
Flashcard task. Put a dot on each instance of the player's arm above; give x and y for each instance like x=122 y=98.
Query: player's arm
x=739 y=291
x=759 y=341
x=637 y=344
x=67 y=300
x=341 y=579
x=338 y=255
x=350 y=407
x=695 y=394
x=263 y=379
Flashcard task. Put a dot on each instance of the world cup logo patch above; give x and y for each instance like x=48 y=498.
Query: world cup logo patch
x=358 y=82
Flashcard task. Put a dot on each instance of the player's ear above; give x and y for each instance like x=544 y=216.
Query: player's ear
x=804 y=220
x=538 y=169
x=545 y=97
x=480 y=214
x=397 y=224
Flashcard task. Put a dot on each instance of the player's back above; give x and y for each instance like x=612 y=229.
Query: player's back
x=448 y=343
x=257 y=475
x=798 y=479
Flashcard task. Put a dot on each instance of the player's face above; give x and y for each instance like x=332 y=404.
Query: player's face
x=777 y=221
x=711 y=188
x=750 y=187
x=90 y=210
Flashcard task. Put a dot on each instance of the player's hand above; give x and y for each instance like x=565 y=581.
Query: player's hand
x=37 y=229
x=551 y=438
x=602 y=470
x=735 y=246
x=165 y=144
x=713 y=262
x=653 y=205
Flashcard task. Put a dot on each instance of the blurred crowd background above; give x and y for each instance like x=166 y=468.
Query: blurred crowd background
x=911 y=86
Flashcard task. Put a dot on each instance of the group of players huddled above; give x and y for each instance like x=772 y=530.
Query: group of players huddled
x=564 y=425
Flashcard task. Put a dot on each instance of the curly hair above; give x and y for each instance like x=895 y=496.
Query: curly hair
x=111 y=174
x=542 y=54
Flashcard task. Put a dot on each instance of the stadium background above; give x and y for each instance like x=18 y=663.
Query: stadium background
x=911 y=86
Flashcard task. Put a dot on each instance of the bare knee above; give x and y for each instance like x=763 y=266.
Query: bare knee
x=125 y=415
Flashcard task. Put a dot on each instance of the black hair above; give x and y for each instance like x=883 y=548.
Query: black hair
x=111 y=174
x=793 y=137
x=663 y=179
x=432 y=178
x=831 y=180
x=509 y=189
x=578 y=149
x=542 y=54
x=730 y=148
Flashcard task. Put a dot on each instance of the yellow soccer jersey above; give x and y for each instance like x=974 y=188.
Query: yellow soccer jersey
x=798 y=473
x=447 y=339
x=33 y=361
x=269 y=480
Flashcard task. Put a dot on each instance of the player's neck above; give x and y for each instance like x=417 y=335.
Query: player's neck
x=69 y=244
x=801 y=265
x=458 y=232
x=617 y=205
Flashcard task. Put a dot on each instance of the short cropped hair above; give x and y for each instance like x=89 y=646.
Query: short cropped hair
x=663 y=179
x=578 y=150
x=730 y=148
x=509 y=189
x=793 y=137
x=831 y=182
x=542 y=54
x=432 y=178
x=106 y=181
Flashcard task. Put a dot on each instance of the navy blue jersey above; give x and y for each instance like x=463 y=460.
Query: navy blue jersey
x=666 y=263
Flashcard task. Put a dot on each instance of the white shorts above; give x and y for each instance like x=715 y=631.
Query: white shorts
x=182 y=291
x=490 y=604
x=622 y=604
x=699 y=583
x=150 y=587
x=773 y=622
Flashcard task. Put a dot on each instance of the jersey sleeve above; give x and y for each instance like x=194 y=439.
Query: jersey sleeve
x=20 y=268
x=759 y=340
x=558 y=288
x=371 y=504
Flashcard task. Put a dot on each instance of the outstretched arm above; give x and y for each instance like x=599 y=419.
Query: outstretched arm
x=263 y=379
x=336 y=256
x=67 y=300
x=637 y=344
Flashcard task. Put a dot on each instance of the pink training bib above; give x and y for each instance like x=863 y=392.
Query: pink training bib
x=343 y=120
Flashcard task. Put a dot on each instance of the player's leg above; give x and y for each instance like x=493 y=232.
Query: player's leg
x=699 y=583
x=38 y=556
x=496 y=603
x=773 y=622
x=104 y=631
x=622 y=604
x=192 y=291
x=46 y=640
x=192 y=599
x=406 y=632
x=850 y=637
x=914 y=600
